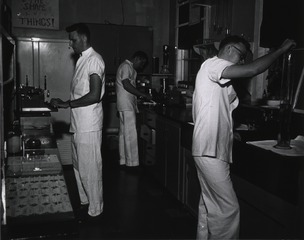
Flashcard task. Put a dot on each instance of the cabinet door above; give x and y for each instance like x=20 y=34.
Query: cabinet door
x=56 y=67
x=243 y=18
x=104 y=39
x=117 y=43
x=173 y=157
x=160 y=167
x=49 y=59
x=25 y=62
x=192 y=186
x=136 y=38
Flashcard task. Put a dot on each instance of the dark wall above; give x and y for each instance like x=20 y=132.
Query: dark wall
x=282 y=19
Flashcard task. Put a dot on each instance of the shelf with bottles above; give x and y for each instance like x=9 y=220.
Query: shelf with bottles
x=110 y=89
x=162 y=75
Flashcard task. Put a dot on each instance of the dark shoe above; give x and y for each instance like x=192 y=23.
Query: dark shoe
x=81 y=212
x=90 y=219
x=134 y=170
x=123 y=167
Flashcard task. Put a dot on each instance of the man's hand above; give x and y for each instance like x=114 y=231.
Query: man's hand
x=145 y=97
x=288 y=44
x=58 y=103
x=148 y=97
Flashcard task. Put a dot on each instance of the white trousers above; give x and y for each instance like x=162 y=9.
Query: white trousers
x=128 y=144
x=219 y=214
x=87 y=163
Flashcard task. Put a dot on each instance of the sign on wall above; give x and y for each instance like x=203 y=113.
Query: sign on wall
x=35 y=14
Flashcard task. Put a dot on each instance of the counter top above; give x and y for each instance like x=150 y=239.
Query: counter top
x=179 y=114
x=296 y=150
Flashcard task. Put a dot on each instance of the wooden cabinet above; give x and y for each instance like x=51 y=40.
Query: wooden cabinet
x=147 y=138
x=207 y=19
x=160 y=166
x=191 y=21
x=160 y=151
x=116 y=43
x=104 y=39
x=168 y=159
x=192 y=188
x=242 y=21
x=272 y=183
x=275 y=28
x=234 y=17
x=174 y=164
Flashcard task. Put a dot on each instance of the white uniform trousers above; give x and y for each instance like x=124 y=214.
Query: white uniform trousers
x=87 y=163
x=219 y=213
x=128 y=144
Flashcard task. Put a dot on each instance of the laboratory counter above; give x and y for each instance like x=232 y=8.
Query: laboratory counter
x=267 y=180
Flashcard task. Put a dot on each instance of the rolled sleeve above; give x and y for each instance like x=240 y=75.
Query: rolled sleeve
x=95 y=67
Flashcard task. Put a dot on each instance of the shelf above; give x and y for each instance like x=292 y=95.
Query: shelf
x=202 y=3
x=191 y=59
x=182 y=2
x=162 y=74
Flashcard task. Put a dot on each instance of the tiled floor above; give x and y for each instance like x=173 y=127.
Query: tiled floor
x=135 y=207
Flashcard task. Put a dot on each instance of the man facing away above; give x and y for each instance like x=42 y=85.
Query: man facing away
x=87 y=89
x=214 y=99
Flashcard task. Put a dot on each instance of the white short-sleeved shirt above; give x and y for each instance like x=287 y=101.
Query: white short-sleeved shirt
x=88 y=118
x=214 y=99
x=125 y=101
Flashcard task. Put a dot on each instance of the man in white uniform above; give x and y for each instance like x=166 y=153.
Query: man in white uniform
x=214 y=99
x=127 y=107
x=87 y=89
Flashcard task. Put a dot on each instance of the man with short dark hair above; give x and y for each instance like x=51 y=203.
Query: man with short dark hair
x=87 y=89
x=214 y=99
x=127 y=95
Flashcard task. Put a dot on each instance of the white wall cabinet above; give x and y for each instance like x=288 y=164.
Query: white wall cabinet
x=51 y=60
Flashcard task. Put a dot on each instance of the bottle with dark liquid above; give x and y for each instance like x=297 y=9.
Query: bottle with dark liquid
x=284 y=126
x=165 y=67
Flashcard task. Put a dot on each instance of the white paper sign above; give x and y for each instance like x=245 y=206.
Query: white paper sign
x=36 y=14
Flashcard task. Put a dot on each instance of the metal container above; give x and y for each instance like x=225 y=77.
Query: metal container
x=14 y=142
x=155 y=65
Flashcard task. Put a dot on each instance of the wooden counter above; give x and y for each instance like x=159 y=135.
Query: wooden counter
x=273 y=184
x=270 y=183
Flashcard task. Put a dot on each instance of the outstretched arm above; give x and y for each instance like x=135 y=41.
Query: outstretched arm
x=131 y=89
x=259 y=65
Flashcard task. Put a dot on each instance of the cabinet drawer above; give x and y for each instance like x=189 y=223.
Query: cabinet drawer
x=151 y=119
x=150 y=149
x=149 y=160
x=147 y=133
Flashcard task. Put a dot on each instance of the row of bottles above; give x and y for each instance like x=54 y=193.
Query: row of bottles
x=31 y=96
